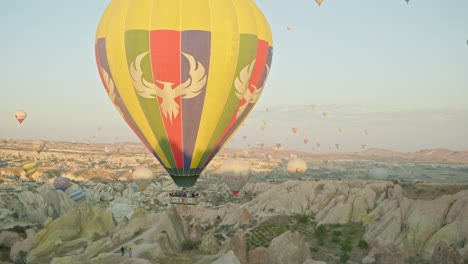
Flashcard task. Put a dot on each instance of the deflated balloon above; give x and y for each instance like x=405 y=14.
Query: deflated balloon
x=30 y=167
x=235 y=174
x=77 y=195
x=142 y=177
x=61 y=183
x=184 y=76
x=20 y=115
x=297 y=167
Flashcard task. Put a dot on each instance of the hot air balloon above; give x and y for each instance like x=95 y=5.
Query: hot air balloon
x=289 y=27
x=236 y=174
x=184 y=77
x=324 y=114
x=306 y=141
x=38 y=145
x=340 y=130
x=142 y=177
x=88 y=143
x=337 y=146
x=297 y=167
x=267 y=109
x=20 y=115
x=366 y=132
x=317 y=144
x=77 y=195
x=262 y=127
x=313 y=106
x=363 y=146
x=61 y=183
x=30 y=167
x=244 y=137
x=294 y=130
x=407 y=1
x=319 y=2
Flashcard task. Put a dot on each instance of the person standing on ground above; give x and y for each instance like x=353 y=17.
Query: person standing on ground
x=122 y=249
x=130 y=252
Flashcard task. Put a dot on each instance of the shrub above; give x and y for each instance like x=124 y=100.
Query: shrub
x=302 y=218
x=346 y=245
x=321 y=233
x=336 y=240
x=362 y=244
x=188 y=245
x=336 y=233
x=344 y=258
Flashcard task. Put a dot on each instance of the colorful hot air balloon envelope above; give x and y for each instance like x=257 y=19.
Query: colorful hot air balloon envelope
x=142 y=177
x=77 y=195
x=30 y=167
x=306 y=141
x=61 y=183
x=38 y=145
x=319 y=2
x=235 y=174
x=184 y=76
x=340 y=130
x=297 y=167
x=324 y=114
x=20 y=115
x=294 y=130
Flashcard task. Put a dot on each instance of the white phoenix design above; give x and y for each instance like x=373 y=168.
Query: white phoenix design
x=242 y=83
x=190 y=88
x=110 y=89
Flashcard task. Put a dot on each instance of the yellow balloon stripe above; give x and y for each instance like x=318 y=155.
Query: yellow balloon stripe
x=165 y=15
x=115 y=46
x=139 y=14
x=195 y=15
x=224 y=51
x=263 y=29
x=245 y=17
x=103 y=24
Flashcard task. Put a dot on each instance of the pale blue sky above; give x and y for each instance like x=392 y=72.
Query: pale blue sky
x=399 y=70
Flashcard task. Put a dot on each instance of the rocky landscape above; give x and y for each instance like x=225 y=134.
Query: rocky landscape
x=337 y=212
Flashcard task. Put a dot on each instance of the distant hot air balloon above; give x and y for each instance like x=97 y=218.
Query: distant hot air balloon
x=297 y=167
x=142 y=177
x=313 y=106
x=407 y=1
x=306 y=141
x=235 y=174
x=88 y=143
x=366 y=132
x=61 y=183
x=262 y=127
x=324 y=114
x=294 y=130
x=340 y=130
x=30 y=167
x=77 y=195
x=20 y=115
x=278 y=145
x=184 y=76
x=38 y=145
x=319 y=2
x=289 y=27
x=337 y=146
x=317 y=144
x=363 y=146
x=244 y=137
x=267 y=109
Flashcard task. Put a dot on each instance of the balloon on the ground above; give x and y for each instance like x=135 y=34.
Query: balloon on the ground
x=77 y=195
x=297 y=167
x=20 y=115
x=142 y=177
x=61 y=183
x=30 y=167
x=235 y=174
x=184 y=76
